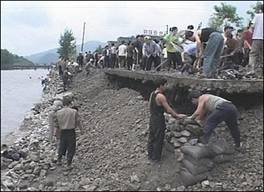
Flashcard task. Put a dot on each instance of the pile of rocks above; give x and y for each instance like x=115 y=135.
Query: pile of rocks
x=181 y=133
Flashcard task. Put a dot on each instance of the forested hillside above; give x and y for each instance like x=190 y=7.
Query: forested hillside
x=9 y=60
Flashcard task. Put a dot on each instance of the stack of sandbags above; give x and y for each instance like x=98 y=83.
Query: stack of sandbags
x=196 y=164
x=224 y=152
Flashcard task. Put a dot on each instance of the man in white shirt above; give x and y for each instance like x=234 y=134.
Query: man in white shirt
x=122 y=50
x=113 y=58
x=255 y=65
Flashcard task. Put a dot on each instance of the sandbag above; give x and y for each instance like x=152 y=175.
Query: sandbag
x=188 y=179
x=198 y=152
x=222 y=158
x=204 y=161
x=196 y=169
x=221 y=147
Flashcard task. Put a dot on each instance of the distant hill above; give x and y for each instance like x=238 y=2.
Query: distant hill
x=51 y=56
x=9 y=60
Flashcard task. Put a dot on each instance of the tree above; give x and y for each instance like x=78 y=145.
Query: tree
x=224 y=14
x=99 y=49
x=254 y=9
x=67 y=45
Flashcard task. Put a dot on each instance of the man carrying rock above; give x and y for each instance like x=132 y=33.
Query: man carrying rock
x=214 y=110
x=158 y=104
x=67 y=119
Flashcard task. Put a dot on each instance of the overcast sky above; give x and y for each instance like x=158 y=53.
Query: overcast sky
x=29 y=27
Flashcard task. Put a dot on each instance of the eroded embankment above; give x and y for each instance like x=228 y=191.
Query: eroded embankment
x=243 y=93
x=111 y=154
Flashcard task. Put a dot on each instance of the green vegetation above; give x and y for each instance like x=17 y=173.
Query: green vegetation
x=254 y=9
x=67 y=43
x=224 y=14
x=99 y=49
x=10 y=61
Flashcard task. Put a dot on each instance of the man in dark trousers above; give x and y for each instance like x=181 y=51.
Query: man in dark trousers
x=158 y=104
x=65 y=79
x=211 y=53
x=80 y=59
x=67 y=119
x=212 y=110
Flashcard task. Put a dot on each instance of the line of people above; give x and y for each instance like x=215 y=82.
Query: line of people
x=204 y=51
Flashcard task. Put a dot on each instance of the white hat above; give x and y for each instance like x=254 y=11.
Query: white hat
x=147 y=38
x=57 y=104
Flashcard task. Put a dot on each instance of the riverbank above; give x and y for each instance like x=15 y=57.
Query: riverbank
x=111 y=154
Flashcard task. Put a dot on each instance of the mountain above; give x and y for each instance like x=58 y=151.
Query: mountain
x=51 y=56
x=9 y=60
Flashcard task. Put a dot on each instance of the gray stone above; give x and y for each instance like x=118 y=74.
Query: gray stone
x=36 y=170
x=28 y=171
x=193 y=141
x=49 y=182
x=134 y=178
x=23 y=185
x=18 y=167
x=180 y=188
x=205 y=183
x=182 y=140
x=167 y=187
x=13 y=164
x=35 y=158
x=89 y=188
x=8 y=183
x=176 y=144
x=185 y=133
x=176 y=134
x=43 y=173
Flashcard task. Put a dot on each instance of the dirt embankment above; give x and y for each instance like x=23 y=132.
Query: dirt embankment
x=112 y=155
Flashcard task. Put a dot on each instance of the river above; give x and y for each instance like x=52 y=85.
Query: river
x=20 y=90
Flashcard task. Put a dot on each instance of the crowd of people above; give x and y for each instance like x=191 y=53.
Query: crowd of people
x=203 y=51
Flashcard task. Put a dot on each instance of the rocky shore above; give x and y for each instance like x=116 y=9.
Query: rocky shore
x=111 y=154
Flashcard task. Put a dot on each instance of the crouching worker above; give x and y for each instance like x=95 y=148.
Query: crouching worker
x=158 y=104
x=88 y=67
x=67 y=120
x=214 y=110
